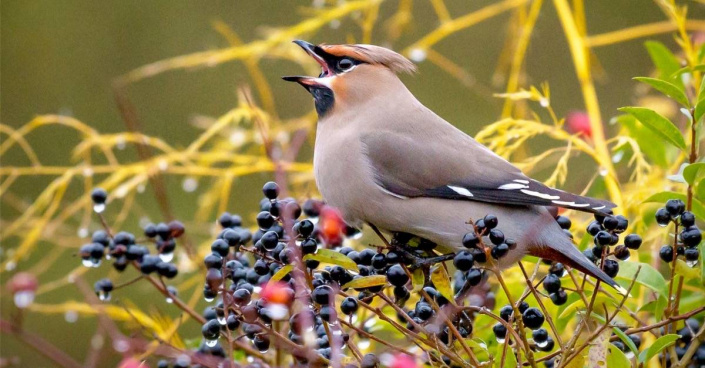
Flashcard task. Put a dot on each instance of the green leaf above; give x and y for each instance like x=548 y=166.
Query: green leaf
x=700 y=109
x=479 y=347
x=570 y=310
x=626 y=340
x=689 y=273
x=366 y=282
x=509 y=359
x=655 y=307
x=658 y=345
x=417 y=279
x=697 y=208
x=648 y=276
x=664 y=60
x=333 y=257
x=693 y=172
x=645 y=138
x=616 y=358
x=667 y=88
x=281 y=273
x=441 y=281
x=702 y=264
x=658 y=124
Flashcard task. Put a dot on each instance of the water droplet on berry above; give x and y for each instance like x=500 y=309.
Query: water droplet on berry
x=189 y=184
x=211 y=343
x=542 y=344
x=208 y=300
x=87 y=263
x=663 y=225
x=24 y=298
x=103 y=296
x=166 y=257
x=96 y=263
x=500 y=340
x=99 y=207
x=692 y=263
x=221 y=320
x=277 y=311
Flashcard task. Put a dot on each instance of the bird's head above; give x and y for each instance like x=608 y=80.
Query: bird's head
x=351 y=74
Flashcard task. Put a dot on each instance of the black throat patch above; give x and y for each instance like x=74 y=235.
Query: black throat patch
x=323 y=98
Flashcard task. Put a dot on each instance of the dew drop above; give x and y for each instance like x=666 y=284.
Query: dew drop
x=358 y=235
x=417 y=55
x=103 y=296
x=87 y=262
x=662 y=225
x=24 y=298
x=108 y=257
x=83 y=232
x=238 y=138
x=603 y=171
x=121 y=345
x=99 y=207
x=544 y=102
x=208 y=300
x=120 y=142
x=189 y=184
x=96 y=263
x=692 y=263
x=71 y=316
x=542 y=344
x=87 y=172
x=211 y=343
x=169 y=300
x=166 y=257
x=617 y=157
x=364 y=344
x=500 y=340
x=221 y=320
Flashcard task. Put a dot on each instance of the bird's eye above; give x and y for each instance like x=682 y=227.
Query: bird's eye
x=345 y=64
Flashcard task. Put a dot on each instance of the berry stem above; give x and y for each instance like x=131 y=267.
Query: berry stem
x=530 y=284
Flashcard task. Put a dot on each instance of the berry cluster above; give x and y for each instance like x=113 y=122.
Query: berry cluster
x=606 y=231
x=531 y=318
x=687 y=337
x=689 y=237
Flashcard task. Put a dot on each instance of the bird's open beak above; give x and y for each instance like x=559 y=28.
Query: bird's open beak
x=315 y=52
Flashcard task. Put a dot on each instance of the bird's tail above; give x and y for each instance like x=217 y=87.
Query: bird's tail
x=565 y=252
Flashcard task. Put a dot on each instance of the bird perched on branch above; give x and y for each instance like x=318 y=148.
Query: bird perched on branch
x=383 y=158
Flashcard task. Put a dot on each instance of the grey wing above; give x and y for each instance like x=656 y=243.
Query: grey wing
x=449 y=164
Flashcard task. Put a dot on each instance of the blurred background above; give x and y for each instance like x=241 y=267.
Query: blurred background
x=64 y=57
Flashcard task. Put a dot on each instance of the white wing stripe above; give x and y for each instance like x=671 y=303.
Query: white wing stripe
x=460 y=190
x=512 y=186
x=521 y=181
x=539 y=195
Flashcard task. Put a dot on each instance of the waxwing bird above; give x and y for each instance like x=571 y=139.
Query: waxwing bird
x=383 y=158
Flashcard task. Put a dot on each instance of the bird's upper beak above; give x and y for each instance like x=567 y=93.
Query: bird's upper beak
x=317 y=54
